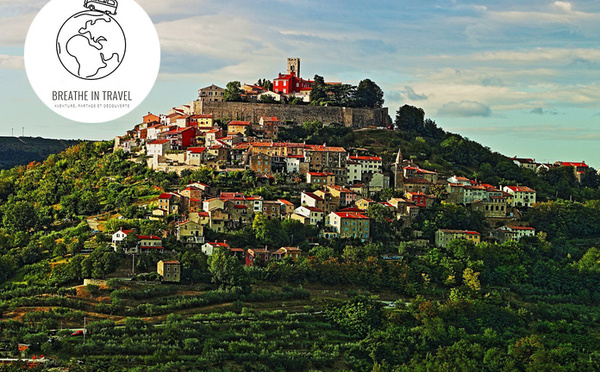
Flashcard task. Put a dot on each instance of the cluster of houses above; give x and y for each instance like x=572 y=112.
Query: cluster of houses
x=579 y=168
x=338 y=185
x=337 y=210
x=181 y=140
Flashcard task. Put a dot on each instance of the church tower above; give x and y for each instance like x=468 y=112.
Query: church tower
x=399 y=172
x=293 y=65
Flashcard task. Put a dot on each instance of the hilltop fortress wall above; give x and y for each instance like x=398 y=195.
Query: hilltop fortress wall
x=348 y=116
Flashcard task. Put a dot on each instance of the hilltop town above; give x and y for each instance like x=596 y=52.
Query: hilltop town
x=334 y=189
x=291 y=225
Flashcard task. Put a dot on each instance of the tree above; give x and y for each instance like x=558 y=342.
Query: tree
x=265 y=83
x=471 y=280
x=233 y=91
x=590 y=260
x=268 y=231
x=318 y=91
x=369 y=94
x=590 y=179
x=361 y=253
x=92 y=289
x=381 y=221
x=410 y=118
x=19 y=216
x=267 y=99
x=360 y=315
x=226 y=270
x=341 y=94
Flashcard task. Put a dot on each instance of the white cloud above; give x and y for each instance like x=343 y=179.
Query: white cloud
x=412 y=95
x=563 y=5
x=464 y=109
x=11 y=62
x=543 y=111
x=549 y=56
x=162 y=8
x=14 y=29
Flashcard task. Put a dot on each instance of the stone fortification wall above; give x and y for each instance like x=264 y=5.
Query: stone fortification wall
x=351 y=117
x=95 y=282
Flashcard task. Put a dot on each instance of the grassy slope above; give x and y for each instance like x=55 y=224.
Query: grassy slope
x=385 y=143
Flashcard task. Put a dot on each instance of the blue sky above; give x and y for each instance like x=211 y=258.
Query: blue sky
x=519 y=77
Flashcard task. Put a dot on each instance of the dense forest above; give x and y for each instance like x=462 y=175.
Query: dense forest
x=16 y=151
x=530 y=305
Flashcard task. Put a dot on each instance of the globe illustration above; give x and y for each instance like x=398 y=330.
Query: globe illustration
x=91 y=45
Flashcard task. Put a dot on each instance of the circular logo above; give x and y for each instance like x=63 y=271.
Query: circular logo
x=91 y=45
x=90 y=63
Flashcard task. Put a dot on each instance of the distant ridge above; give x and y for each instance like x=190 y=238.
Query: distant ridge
x=16 y=151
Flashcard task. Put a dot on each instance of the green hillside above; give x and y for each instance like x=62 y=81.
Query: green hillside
x=393 y=303
x=23 y=150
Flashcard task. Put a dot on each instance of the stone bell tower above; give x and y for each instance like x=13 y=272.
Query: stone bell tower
x=398 y=172
x=293 y=65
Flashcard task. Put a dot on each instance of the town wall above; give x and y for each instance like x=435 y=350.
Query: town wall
x=348 y=116
x=97 y=282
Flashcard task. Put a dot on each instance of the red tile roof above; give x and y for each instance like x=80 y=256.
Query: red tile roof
x=366 y=158
x=243 y=145
x=351 y=209
x=314 y=209
x=179 y=130
x=520 y=189
x=418 y=193
x=572 y=164
x=313 y=196
x=351 y=215
x=148 y=237
x=219 y=244
x=324 y=148
x=196 y=150
x=522 y=160
x=286 y=202
x=318 y=174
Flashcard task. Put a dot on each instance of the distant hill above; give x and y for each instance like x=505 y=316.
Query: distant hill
x=23 y=150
